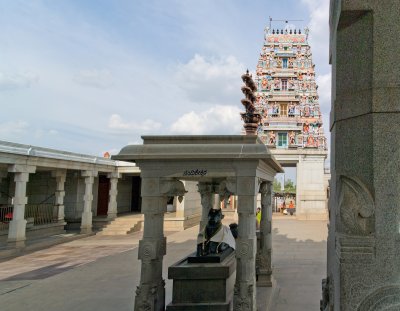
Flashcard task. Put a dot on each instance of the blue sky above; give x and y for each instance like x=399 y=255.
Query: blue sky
x=93 y=76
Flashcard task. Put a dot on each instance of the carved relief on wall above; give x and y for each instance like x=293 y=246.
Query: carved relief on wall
x=243 y=297
x=384 y=298
x=356 y=207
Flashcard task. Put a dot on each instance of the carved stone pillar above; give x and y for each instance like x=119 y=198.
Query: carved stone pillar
x=86 y=223
x=60 y=176
x=150 y=294
x=17 y=229
x=245 y=287
x=112 y=202
x=206 y=191
x=264 y=251
x=363 y=271
x=226 y=189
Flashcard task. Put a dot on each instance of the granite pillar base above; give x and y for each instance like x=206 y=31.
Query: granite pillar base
x=202 y=286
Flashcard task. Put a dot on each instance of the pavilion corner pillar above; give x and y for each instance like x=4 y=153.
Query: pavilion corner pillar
x=150 y=294
x=60 y=176
x=265 y=249
x=245 y=286
x=86 y=223
x=17 y=229
x=112 y=201
x=206 y=190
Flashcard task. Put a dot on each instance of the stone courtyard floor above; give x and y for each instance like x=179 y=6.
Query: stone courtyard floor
x=102 y=272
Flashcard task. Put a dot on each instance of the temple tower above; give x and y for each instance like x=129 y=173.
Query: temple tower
x=291 y=125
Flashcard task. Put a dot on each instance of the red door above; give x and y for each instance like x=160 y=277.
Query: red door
x=102 y=195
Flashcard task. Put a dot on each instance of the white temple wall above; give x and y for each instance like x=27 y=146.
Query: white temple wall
x=311 y=188
x=191 y=204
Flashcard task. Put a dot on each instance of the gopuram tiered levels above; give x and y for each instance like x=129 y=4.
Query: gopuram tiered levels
x=291 y=125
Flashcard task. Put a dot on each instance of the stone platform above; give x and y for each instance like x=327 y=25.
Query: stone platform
x=200 y=286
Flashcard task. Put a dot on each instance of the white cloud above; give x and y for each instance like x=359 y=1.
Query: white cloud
x=17 y=81
x=216 y=120
x=319 y=29
x=211 y=80
x=324 y=91
x=117 y=123
x=13 y=128
x=101 y=79
x=43 y=133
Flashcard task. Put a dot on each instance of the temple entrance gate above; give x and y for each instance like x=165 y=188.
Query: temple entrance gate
x=291 y=121
x=311 y=180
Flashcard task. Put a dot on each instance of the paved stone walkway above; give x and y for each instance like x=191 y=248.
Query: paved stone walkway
x=299 y=263
x=102 y=272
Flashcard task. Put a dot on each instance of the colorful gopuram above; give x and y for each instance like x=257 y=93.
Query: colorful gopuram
x=287 y=96
x=291 y=121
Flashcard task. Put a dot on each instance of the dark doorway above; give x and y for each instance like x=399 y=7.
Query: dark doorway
x=136 y=198
x=102 y=195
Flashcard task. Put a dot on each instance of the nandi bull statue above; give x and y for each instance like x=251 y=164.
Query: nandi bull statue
x=216 y=238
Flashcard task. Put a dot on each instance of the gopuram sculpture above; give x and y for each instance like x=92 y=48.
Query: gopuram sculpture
x=292 y=75
x=215 y=238
x=290 y=115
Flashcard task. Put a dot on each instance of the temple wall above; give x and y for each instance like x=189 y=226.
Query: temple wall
x=41 y=188
x=311 y=188
x=124 y=197
x=74 y=191
x=191 y=204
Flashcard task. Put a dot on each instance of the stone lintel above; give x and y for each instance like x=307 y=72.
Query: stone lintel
x=60 y=173
x=114 y=175
x=20 y=168
x=89 y=173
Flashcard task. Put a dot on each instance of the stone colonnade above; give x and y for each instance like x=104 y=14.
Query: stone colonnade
x=17 y=226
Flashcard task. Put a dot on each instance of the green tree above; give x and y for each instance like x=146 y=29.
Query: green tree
x=276 y=186
x=290 y=186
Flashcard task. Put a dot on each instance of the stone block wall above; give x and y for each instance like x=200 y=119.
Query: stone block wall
x=311 y=188
x=74 y=191
x=41 y=188
x=124 y=197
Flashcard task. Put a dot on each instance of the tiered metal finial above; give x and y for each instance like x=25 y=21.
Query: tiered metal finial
x=251 y=118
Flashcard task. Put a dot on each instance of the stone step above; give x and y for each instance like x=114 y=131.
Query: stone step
x=113 y=232
x=122 y=226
